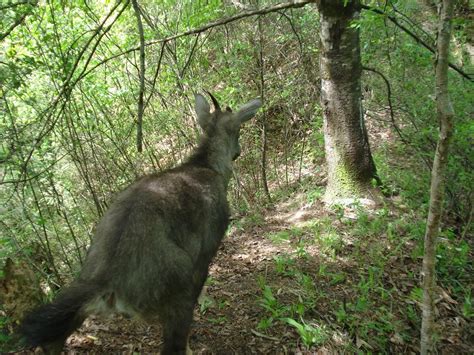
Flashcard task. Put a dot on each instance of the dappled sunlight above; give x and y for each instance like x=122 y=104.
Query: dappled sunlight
x=313 y=241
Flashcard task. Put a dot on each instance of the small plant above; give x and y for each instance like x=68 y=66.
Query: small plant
x=210 y=281
x=309 y=334
x=412 y=314
x=416 y=294
x=337 y=278
x=315 y=195
x=222 y=304
x=323 y=270
x=347 y=314
x=301 y=251
x=253 y=219
x=270 y=303
x=338 y=211
x=4 y=337
x=330 y=242
x=284 y=264
x=280 y=237
x=205 y=302
x=299 y=308
x=367 y=225
x=452 y=257
x=265 y=323
x=467 y=307
x=285 y=236
x=306 y=283
x=296 y=231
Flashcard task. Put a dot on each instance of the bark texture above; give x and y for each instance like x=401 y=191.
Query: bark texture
x=445 y=116
x=349 y=161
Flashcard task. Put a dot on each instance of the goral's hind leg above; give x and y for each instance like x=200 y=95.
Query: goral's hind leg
x=56 y=347
x=176 y=328
x=188 y=350
x=53 y=348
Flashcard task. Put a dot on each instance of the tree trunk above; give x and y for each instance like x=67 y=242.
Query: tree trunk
x=445 y=117
x=351 y=169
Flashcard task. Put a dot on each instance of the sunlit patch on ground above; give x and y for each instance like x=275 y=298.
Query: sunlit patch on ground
x=304 y=279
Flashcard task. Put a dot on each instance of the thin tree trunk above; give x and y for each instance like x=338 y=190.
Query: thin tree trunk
x=349 y=161
x=140 y=106
x=438 y=175
x=264 y=116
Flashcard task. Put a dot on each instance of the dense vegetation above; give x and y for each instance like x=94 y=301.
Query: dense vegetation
x=345 y=278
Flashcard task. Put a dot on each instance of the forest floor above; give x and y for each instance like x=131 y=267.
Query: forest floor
x=297 y=278
x=300 y=279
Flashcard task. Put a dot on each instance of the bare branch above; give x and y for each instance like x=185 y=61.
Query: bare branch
x=20 y=20
x=190 y=56
x=244 y=14
x=415 y=37
x=224 y=21
x=389 y=100
x=19 y=3
x=17 y=23
x=68 y=84
x=141 y=74
x=158 y=66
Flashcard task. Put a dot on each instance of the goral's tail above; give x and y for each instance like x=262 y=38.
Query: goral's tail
x=50 y=324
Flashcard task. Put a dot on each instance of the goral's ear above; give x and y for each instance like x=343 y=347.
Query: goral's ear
x=203 y=112
x=248 y=110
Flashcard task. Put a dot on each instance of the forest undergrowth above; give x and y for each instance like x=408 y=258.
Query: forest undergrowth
x=291 y=276
x=297 y=277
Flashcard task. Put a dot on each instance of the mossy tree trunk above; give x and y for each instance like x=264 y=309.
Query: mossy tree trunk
x=351 y=169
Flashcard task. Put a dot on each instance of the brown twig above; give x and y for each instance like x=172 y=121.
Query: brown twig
x=158 y=67
x=141 y=74
x=389 y=101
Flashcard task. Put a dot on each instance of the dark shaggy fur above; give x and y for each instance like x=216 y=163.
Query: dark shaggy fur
x=52 y=323
x=152 y=249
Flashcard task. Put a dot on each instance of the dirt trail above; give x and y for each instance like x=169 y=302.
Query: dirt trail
x=230 y=310
x=227 y=317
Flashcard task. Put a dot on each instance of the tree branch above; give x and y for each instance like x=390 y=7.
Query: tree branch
x=15 y=4
x=17 y=23
x=68 y=84
x=20 y=20
x=389 y=101
x=141 y=74
x=242 y=15
x=158 y=66
x=415 y=37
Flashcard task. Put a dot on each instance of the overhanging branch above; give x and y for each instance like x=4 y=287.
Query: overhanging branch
x=395 y=21
x=224 y=21
x=17 y=23
x=244 y=14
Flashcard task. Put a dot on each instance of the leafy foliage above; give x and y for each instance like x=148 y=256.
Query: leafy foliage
x=69 y=87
